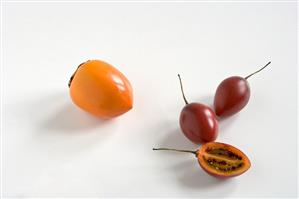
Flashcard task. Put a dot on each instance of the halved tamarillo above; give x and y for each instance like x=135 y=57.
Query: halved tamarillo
x=219 y=159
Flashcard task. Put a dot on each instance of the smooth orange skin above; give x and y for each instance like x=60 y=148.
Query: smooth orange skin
x=100 y=89
x=216 y=173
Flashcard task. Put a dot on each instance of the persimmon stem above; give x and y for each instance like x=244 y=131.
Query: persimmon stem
x=181 y=84
x=258 y=70
x=177 y=150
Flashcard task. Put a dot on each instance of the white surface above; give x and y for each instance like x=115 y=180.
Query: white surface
x=51 y=148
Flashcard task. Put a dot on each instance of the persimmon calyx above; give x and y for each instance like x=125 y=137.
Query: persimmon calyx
x=73 y=75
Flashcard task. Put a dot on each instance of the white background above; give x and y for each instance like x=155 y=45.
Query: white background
x=51 y=148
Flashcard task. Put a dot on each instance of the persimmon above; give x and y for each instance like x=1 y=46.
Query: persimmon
x=100 y=89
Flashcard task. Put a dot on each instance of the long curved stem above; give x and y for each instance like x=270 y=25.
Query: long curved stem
x=177 y=150
x=182 y=89
x=258 y=70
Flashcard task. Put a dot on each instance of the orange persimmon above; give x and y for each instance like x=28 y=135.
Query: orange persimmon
x=100 y=89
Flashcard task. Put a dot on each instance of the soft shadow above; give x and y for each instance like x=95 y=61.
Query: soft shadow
x=176 y=139
x=70 y=119
x=227 y=122
x=58 y=131
x=192 y=176
x=57 y=113
x=207 y=100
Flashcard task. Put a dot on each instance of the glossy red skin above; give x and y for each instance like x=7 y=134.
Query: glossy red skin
x=198 y=122
x=231 y=96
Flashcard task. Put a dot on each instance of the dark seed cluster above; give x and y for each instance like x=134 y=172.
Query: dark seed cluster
x=222 y=165
x=223 y=152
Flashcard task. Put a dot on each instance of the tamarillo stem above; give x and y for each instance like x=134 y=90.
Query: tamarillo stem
x=182 y=90
x=177 y=150
x=258 y=70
